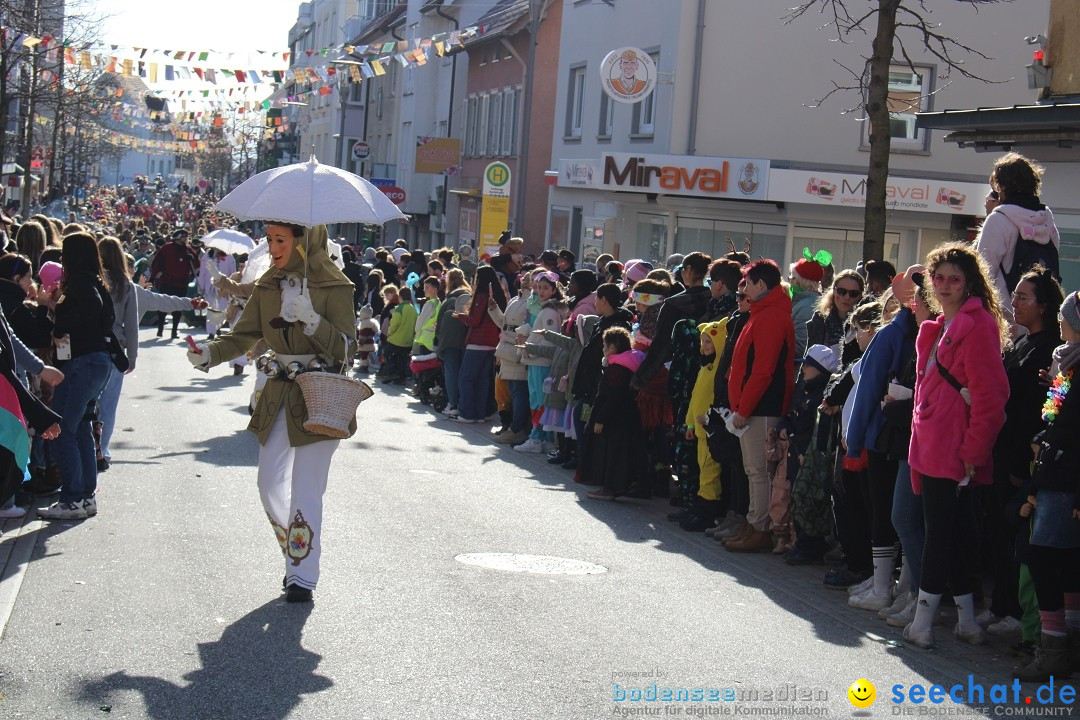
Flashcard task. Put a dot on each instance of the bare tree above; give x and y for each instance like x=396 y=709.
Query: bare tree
x=900 y=28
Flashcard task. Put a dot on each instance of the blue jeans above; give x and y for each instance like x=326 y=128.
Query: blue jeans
x=110 y=398
x=907 y=518
x=85 y=377
x=451 y=363
x=521 y=415
x=477 y=371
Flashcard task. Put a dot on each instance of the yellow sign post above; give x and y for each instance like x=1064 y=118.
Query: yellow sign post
x=494 y=207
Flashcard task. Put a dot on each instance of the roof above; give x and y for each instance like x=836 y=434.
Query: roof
x=1052 y=130
x=503 y=16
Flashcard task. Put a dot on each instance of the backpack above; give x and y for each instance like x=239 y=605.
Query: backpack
x=811 y=506
x=1028 y=254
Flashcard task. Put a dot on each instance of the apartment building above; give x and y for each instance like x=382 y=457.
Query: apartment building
x=731 y=147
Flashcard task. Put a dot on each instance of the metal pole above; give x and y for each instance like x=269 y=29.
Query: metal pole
x=536 y=10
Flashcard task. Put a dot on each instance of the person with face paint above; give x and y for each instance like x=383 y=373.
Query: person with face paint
x=300 y=327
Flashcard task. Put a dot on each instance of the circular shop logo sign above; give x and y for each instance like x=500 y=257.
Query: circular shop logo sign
x=361 y=150
x=628 y=75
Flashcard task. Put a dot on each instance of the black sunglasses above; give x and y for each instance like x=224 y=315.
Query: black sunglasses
x=844 y=292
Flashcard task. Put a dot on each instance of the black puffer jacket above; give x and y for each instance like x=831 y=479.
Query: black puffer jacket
x=590 y=364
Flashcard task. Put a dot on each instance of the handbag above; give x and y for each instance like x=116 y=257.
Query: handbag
x=116 y=353
x=810 y=502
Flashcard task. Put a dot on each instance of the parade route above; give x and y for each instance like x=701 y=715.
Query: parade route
x=167 y=605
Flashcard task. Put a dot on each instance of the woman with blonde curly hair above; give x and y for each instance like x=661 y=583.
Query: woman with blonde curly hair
x=960 y=394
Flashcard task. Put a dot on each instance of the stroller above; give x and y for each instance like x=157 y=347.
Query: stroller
x=430 y=383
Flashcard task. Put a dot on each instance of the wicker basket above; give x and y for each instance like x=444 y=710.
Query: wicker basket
x=331 y=401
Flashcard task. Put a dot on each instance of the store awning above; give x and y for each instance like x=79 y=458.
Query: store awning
x=1048 y=132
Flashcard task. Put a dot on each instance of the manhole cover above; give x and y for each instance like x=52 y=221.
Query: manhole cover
x=539 y=564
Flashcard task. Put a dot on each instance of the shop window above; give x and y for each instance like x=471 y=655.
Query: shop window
x=846 y=246
x=909 y=93
x=559 y=227
x=1069 y=259
x=715 y=238
x=652 y=242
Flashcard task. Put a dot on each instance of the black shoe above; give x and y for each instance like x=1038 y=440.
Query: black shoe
x=680 y=515
x=697 y=523
x=160 y=332
x=557 y=459
x=102 y=464
x=175 y=335
x=237 y=369
x=297 y=594
x=799 y=557
x=570 y=464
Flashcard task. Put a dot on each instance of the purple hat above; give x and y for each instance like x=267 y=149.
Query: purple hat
x=635 y=271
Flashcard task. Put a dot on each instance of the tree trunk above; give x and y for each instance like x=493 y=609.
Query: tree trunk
x=877 y=111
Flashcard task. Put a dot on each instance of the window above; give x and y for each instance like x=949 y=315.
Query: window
x=575 y=102
x=712 y=236
x=846 y=246
x=607 y=108
x=643 y=123
x=356 y=92
x=378 y=102
x=909 y=93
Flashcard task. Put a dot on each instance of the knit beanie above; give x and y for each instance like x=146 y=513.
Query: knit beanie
x=366 y=312
x=1070 y=310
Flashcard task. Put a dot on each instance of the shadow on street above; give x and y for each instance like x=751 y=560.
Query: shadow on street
x=257 y=669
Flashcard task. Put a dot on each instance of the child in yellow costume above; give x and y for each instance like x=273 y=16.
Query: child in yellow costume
x=707 y=502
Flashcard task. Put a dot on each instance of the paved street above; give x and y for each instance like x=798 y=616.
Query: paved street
x=167 y=604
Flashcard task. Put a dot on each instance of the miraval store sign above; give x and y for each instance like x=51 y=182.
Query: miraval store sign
x=715 y=177
x=820 y=187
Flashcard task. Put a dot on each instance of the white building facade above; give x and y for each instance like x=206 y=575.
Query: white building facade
x=744 y=157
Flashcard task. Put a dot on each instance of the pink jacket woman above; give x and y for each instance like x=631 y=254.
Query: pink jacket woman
x=946 y=432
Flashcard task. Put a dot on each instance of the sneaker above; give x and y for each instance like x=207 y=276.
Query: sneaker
x=532 y=445
x=870 y=600
x=842 y=579
x=724 y=523
x=1005 y=626
x=548 y=446
x=449 y=410
x=90 y=506
x=459 y=419
x=731 y=529
x=986 y=618
x=974 y=636
x=905 y=616
x=923 y=639
x=901 y=603
x=63 y=511
x=12 y=512
x=862 y=587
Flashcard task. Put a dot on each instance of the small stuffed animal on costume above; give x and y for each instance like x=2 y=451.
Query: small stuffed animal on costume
x=366 y=330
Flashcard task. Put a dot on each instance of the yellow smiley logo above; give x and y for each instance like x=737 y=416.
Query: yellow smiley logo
x=862 y=693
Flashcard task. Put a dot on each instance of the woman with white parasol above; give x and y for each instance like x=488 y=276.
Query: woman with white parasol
x=302 y=307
